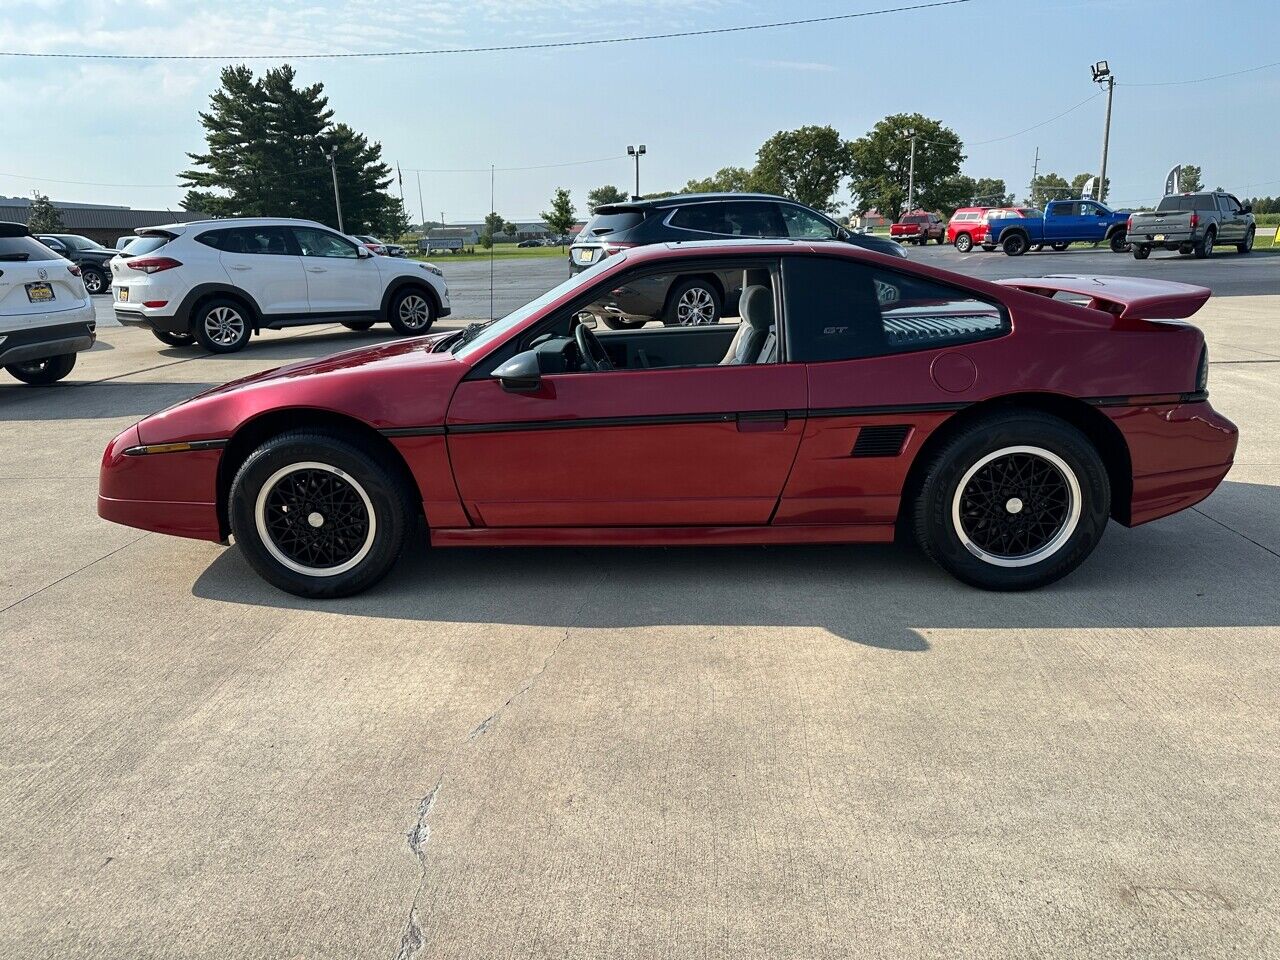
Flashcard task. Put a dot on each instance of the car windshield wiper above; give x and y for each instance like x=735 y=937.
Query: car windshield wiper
x=467 y=334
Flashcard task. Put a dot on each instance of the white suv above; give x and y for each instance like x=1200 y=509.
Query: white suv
x=46 y=316
x=216 y=282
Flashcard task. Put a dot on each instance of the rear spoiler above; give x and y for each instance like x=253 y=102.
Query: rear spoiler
x=1129 y=298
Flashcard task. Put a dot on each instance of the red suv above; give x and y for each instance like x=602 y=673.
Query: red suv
x=919 y=228
x=968 y=225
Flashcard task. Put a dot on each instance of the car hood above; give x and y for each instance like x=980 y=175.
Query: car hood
x=405 y=383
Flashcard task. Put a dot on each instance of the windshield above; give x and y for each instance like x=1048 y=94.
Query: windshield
x=76 y=242
x=485 y=335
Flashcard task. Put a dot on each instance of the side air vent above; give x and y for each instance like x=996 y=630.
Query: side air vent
x=880 y=441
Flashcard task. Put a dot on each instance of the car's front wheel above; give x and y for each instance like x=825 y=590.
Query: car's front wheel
x=318 y=514
x=1118 y=242
x=222 y=325
x=964 y=242
x=359 y=325
x=174 y=339
x=1247 y=245
x=1013 y=502
x=694 y=303
x=411 y=312
x=95 y=281
x=41 y=373
x=1059 y=247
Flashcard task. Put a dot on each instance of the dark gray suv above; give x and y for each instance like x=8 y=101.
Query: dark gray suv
x=700 y=216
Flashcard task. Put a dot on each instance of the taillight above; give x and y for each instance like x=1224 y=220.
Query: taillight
x=1202 y=371
x=615 y=247
x=73 y=270
x=152 y=264
x=1195 y=220
x=1128 y=225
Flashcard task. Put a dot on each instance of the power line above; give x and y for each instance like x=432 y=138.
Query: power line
x=1216 y=76
x=503 y=48
x=538 y=166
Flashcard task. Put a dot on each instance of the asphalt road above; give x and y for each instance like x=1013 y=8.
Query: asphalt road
x=516 y=282
x=730 y=753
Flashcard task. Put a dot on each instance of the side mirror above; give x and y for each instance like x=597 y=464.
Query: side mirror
x=1248 y=208
x=521 y=374
x=364 y=253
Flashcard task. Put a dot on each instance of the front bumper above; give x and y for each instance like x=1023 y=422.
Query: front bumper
x=41 y=343
x=171 y=493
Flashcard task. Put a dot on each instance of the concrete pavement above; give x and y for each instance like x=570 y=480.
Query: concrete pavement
x=787 y=752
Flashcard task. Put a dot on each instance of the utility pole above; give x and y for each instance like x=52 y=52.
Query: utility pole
x=1035 y=172
x=489 y=227
x=1103 y=76
x=637 y=153
x=422 y=211
x=332 y=157
x=911 y=175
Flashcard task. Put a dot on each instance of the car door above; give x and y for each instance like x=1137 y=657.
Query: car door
x=889 y=356
x=698 y=444
x=1231 y=217
x=1061 y=221
x=263 y=262
x=340 y=282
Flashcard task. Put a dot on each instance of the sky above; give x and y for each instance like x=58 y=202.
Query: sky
x=987 y=68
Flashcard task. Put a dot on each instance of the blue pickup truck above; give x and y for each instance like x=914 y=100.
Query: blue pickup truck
x=1064 y=222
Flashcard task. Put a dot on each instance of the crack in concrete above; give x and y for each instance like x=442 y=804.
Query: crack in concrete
x=483 y=726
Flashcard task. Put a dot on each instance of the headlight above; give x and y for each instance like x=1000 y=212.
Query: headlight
x=432 y=268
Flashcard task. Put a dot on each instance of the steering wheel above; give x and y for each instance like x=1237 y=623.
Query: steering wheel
x=590 y=349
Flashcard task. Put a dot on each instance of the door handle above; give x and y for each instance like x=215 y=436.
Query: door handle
x=241 y=266
x=762 y=421
x=316 y=270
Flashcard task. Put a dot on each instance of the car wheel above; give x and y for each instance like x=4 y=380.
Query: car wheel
x=940 y=240
x=1013 y=502
x=173 y=339
x=221 y=325
x=621 y=323
x=964 y=242
x=693 y=303
x=412 y=312
x=1248 y=242
x=1141 y=251
x=1204 y=248
x=1037 y=247
x=359 y=324
x=319 y=515
x=1014 y=245
x=1059 y=247
x=95 y=281
x=986 y=248
x=1118 y=241
x=41 y=373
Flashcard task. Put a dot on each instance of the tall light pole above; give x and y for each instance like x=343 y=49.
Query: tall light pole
x=332 y=157
x=1103 y=77
x=636 y=152
x=911 y=174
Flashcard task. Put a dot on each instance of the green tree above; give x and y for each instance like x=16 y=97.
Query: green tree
x=991 y=191
x=882 y=158
x=562 y=215
x=726 y=180
x=604 y=195
x=268 y=143
x=1077 y=186
x=43 y=216
x=1049 y=186
x=1189 y=180
x=806 y=164
x=493 y=225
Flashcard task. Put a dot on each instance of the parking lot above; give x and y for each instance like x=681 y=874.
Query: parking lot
x=781 y=752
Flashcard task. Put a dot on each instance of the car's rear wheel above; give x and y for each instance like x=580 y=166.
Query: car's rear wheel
x=1141 y=251
x=1037 y=247
x=1013 y=502
x=319 y=515
x=1118 y=242
x=1248 y=242
x=964 y=242
x=221 y=325
x=95 y=281
x=1014 y=245
x=694 y=303
x=1204 y=248
x=359 y=325
x=940 y=240
x=411 y=312
x=1059 y=247
x=174 y=339
x=41 y=373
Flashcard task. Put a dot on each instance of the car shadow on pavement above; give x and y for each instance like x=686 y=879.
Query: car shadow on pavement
x=1185 y=571
x=107 y=400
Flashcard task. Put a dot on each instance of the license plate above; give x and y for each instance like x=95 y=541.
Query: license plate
x=39 y=292
x=1159 y=236
x=586 y=256
x=124 y=294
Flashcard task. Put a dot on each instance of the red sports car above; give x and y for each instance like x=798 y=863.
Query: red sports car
x=860 y=396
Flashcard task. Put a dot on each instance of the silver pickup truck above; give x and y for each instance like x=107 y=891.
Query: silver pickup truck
x=1192 y=223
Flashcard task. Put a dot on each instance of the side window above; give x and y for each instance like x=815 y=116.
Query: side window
x=752 y=220
x=844 y=310
x=322 y=243
x=258 y=241
x=703 y=217
x=804 y=225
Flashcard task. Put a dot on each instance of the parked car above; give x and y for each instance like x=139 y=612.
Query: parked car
x=46 y=316
x=919 y=228
x=1063 y=223
x=373 y=244
x=531 y=243
x=93 y=259
x=122 y=242
x=217 y=282
x=968 y=226
x=1193 y=223
x=703 y=216
x=999 y=425
x=395 y=250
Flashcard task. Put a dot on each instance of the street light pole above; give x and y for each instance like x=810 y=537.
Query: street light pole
x=332 y=157
x=1102 y=75
x=637 y=153
x=911 y=175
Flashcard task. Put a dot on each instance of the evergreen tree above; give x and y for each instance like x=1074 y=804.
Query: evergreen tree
x=43 y=217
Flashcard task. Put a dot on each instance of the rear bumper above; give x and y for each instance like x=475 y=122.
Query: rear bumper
x=21 y=346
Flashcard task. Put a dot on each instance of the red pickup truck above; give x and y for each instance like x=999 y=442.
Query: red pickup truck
x=919 y=228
